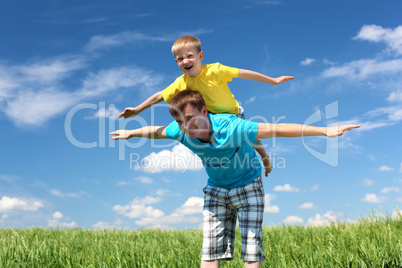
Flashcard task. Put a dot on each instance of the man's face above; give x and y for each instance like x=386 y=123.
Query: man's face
x=189 y=60
x=194 y=123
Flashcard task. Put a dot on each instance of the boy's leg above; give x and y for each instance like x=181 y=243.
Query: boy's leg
x=249 y=201
x=219 y=226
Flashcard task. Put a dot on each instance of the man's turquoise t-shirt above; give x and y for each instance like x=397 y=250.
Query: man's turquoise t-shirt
x=229 y=161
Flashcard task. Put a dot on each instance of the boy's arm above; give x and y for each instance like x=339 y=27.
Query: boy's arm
x=133 y=111
x=251 y=75
x=151 y=132
x=295 y=130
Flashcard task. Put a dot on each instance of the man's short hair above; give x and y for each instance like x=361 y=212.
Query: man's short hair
x=186 y=40
x=188 y=96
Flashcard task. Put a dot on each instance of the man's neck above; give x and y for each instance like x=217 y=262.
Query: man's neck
x=207 y=135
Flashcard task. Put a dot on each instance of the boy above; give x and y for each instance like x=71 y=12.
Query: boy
x=211 y=80
x=234 y=189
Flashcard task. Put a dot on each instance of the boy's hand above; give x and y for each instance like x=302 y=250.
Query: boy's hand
x=338 y=130
x=120 y=134
x=129 y=112
x=267 y=165
x=282 y=79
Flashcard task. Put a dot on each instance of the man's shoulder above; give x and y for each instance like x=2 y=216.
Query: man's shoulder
x=224 y=119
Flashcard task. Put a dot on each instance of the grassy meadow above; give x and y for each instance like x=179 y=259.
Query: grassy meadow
x=374 y=241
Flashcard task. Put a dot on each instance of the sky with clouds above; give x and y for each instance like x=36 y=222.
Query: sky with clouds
x=68 y=68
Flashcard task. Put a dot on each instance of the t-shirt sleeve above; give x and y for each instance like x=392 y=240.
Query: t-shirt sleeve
x=174 y=88
x=247 y=131
x=173 y=132
x=226 y=73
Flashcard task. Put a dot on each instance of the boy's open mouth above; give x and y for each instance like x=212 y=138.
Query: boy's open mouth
x=189 y=67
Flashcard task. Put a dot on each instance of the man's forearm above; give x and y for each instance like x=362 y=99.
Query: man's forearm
x=296 y=130
x=151 y=132
x=288 y=130
x=154 y=99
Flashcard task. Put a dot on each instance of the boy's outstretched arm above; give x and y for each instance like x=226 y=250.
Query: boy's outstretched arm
x=151 y=132
x=134 y=111
x=295 y=130
x=251 y=75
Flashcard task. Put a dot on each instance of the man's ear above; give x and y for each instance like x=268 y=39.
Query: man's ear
x=204 y=110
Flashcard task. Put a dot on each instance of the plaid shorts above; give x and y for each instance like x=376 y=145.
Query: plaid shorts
x=221 y=209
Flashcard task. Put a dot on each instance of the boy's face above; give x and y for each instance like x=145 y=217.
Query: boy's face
x=194 y=123
x=189 y=60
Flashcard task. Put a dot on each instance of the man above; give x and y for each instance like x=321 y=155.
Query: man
x=234 y=189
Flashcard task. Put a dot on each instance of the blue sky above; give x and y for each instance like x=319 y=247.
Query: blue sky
x=67 y=68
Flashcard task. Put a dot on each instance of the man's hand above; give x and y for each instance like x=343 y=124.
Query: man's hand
x=129 y=112
x=267 y=165
x=121 y=134
x=282 y=79
x=338 y=130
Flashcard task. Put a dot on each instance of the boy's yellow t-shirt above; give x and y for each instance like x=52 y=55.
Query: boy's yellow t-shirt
x=212 y=83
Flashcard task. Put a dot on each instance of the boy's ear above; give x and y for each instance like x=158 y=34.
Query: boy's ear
x=201 y=55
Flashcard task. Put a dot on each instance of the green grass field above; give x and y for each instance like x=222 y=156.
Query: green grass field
x=374 y=241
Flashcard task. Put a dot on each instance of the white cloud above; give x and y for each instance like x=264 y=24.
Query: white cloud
x=307 y=206
x=286 y=188
x=111 y=113
x=59 y=193
x=250 y=100
x=162 y=192
x=389 y=189
x=367 y=182
x=102 y=225
x=39 y=87
x=148 y=216
x=193 y=205
x=57 y=215
x=315 y=188
x=8 y=204
x=385 y=168
x=325 y=220
x=55 y=221
x=374 y=33
x=144 y=180
x=395 y=96
x=109 y=80
x=365 y=68
x=293 y=220
x=3 y=218
x=104 y=42
x=268 y=207
x=138 y=208
x=372 y=198
x=137 y=211
x=180 y=158
x=38 y=106
x=307 y=61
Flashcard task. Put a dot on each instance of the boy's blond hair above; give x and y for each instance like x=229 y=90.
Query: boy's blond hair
x=186 y=40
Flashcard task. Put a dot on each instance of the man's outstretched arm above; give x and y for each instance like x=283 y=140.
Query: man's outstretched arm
x=151 y=132
x=295 y=130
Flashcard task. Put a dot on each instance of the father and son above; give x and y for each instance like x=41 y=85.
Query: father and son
x=210 y=122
